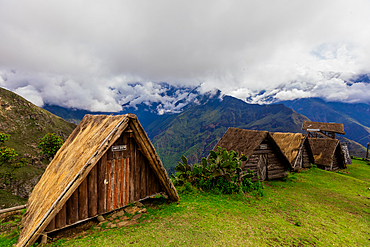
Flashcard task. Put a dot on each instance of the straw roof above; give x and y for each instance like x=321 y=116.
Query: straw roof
x=241 y=140
x=323 y=150
x=246 y=141
x=73 y=162
x=289 y=143
x=330 y=127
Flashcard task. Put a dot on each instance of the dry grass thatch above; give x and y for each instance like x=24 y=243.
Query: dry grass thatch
x=78 y=155
x=329 y=127
x=289 y=143
x=244 y=141
x=323 y=150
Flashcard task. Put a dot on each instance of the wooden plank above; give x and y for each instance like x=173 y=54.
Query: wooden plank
x=109 y=190
x=137 y=175
x=280 y=175
x=102 y=193
x=116 y=184
x=61 y=218
x=127 y=179
x=83 y=200
x=92 y=180
x=263 y=151
x=142 y=177
x=72 y=208
x=51 y=226
x=147 y=171
x=122 y=181
x=132 y=169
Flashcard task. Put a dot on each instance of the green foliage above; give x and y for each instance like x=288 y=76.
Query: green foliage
x=4 y=137
x=50 y=144
x=221 y=174
x=7 y=155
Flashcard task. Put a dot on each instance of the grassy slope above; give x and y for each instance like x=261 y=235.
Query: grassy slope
x=26 y=123
x=312 y=208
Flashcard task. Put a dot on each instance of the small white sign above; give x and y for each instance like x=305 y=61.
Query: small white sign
x=119 y=148
x=263 y=146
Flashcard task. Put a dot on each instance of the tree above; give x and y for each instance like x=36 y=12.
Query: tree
x=50 y=144
x=6 y=154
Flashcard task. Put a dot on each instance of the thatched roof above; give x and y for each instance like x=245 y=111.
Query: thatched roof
x=289 y=143
x=246 y=141
x=73 y=162
x=241 y=140
x=323 y=150
x=329 y=127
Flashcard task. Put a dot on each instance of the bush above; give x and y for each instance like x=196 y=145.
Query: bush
x=220 y=174
x=50 y=144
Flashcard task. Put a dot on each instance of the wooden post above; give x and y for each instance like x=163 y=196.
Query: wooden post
x=92 y=180
x=102 y=195
x=367 y=151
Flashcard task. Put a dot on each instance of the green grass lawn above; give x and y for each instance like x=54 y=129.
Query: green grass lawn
x=311 y=208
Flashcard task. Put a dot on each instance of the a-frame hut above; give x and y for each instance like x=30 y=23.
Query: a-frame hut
x=265 y=158
x=296 y=148
x=327 y=153
x=106 y=163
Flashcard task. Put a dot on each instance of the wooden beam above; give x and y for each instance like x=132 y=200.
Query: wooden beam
x=12 y=209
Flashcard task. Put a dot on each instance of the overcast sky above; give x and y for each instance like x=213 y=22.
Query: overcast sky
x=90 y=54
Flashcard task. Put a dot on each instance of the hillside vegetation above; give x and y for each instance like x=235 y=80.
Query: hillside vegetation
x=26 y=123
x=311 y=208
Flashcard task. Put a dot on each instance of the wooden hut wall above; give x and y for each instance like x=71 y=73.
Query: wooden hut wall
x=337 y=159
x=119 y=178
x=266 y=162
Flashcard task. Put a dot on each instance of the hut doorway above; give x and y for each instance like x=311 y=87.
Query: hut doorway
x=262 y=166
x=117 y=181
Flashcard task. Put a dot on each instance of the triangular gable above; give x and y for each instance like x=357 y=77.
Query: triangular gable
x=78 y=155
x=289 y=143
x=323 y=150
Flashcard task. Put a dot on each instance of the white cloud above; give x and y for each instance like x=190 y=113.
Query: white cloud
x=87 y=54
x=30 y=93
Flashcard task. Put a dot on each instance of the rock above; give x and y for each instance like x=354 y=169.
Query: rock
x=113 y=225
x=136 y=217
x=122 y=223
x=143 y=211
x=132 y=210
x=124 y=218
x=109 y=224
x=139 y=204
x=114 y=216
x=100 y=218
x=120 y=213
x=44 y=239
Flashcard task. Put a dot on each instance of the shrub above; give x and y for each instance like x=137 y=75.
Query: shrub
x=50 y=144
x=221 y=173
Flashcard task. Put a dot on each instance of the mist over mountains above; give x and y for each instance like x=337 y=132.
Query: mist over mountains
x=201 y=119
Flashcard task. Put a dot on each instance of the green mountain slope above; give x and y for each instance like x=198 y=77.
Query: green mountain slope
x=26 y=123
x=195 y=131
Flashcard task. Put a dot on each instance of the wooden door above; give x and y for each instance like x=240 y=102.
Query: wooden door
x=262 y=166
x=117 y=181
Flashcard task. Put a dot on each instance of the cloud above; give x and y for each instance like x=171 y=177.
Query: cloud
x=89 y=54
